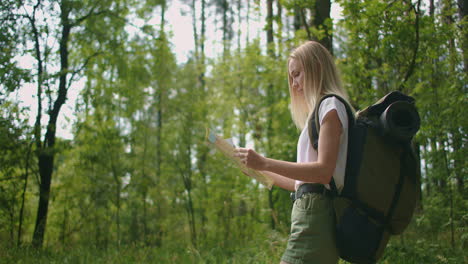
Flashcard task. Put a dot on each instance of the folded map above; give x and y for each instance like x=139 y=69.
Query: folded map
x=227 y=148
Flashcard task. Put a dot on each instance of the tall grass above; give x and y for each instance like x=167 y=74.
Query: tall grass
x=415 y=246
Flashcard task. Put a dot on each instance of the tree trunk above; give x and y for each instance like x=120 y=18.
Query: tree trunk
x=270 y=100
x=279 y=23
x=97 y=228
x=448 y=20
x=458 y=163
x=431 y=9
x=417 y=148
x=118 y=190
x=46 y=163
x=187 y=177
x=202 y=46
x=226 y=27
x=447 y=169
x=23 y=196
x=322 y=14
x=458 y=138
x=194 y=28
x=186 y=173
x=159 y=127
x=46 y=154
x=247 y=18
x=462 y=11
x=297 y=18
x=63 y=232
x=269 y=28
x=427 y=181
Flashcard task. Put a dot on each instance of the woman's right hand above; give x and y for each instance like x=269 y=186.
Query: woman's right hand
x=251 y=159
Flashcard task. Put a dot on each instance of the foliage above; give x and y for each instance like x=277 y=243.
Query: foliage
x=138 y=183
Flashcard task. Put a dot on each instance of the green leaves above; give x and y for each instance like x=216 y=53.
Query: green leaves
x=138 y=167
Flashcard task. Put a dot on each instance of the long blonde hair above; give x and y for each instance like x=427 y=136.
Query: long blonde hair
x=321 y=77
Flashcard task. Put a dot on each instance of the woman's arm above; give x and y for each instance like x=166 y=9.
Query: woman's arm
x=281 y=181
x=320 y=171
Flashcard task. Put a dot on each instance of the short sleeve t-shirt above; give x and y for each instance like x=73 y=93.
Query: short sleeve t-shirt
x=305 y=151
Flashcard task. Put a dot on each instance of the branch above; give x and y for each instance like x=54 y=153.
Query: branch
x=90 y=14
x=12 y=177
x=38 y=179
x=416 y=47
x=306 y=25
x=35 y=32
x=74 y=73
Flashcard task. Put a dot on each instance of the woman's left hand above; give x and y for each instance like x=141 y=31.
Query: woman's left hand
x=250 y=158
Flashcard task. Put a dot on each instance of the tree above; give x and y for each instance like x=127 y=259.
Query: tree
x=14 y=169
x=11 y=76
x=223 y=7
x=40 y=22
x=313 y=16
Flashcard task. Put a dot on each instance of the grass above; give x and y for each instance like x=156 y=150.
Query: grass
x=412 y=248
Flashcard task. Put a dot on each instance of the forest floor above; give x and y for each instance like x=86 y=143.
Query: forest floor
x=395 y=253
x=410 y=248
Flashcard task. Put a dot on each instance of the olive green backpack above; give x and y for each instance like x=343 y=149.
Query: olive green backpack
x=382 y=178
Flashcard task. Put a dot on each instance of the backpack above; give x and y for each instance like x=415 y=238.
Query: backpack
x=382 y=177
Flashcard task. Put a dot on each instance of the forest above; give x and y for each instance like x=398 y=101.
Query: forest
x=136 y=180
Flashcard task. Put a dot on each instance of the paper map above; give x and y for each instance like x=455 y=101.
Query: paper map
x=227 y=148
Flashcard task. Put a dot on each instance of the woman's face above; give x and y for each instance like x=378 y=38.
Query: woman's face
x=296 y=73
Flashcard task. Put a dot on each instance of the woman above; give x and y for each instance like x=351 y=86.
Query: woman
x=312 y=74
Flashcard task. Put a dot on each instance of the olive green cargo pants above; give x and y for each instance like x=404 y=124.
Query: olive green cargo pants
x=312 y=231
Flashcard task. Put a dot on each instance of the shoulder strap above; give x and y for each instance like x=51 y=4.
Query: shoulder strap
x=314 y=121
x=314 y=127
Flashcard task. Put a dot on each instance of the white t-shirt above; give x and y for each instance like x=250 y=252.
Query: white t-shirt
x=305 y=151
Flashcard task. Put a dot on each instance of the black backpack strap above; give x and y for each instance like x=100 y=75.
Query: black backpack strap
x=314 y=122
x=314 y=128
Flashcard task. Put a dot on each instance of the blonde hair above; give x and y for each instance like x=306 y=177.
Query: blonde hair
x=321 y=77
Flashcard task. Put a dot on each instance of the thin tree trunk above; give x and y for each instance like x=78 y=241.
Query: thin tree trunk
x=269 y=28
x=247 y=19
x=144 y=193
x=187 y=177
x=240 y=91
x=457 y=137
x=186 y=173
x=447 y=169
x=427 y=182
x=306 y=25
x=118 y=211
x=412 y=65
x=462 y=11
x=226 y=33
x=279 y=22
x=202 y=46
x=270 y=102
x=194 y=28
x=64 y=223
x=431 y=9
x=23 y=195
x=458 y=163
x=97 y=227
x=297 y=18
x=417 y=148
x=159 y=126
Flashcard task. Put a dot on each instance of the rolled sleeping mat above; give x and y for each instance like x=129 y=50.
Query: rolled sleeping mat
x=400 y=121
